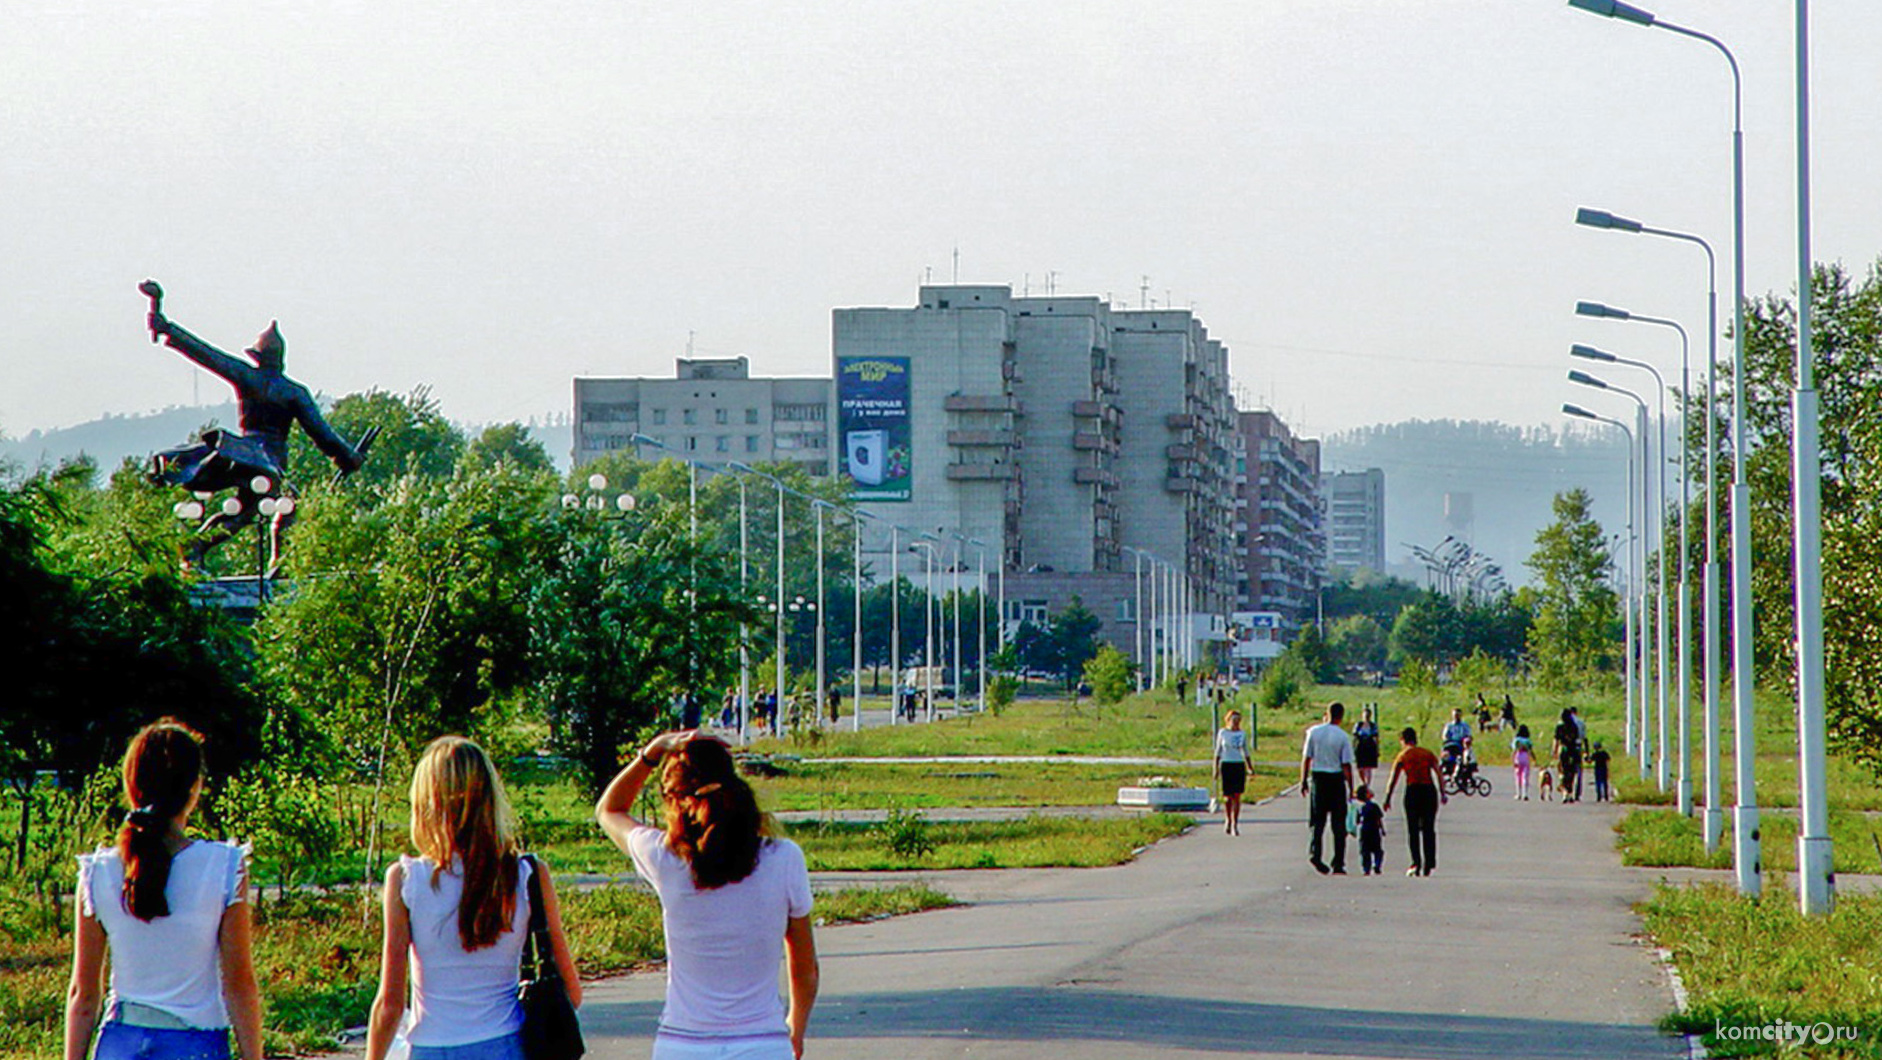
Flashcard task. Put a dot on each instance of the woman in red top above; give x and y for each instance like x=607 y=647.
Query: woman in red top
x=1419 y=767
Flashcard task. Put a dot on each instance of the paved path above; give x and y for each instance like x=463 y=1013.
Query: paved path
x=1520 y=946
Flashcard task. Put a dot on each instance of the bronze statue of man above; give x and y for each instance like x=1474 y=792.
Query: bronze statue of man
x=253 y=462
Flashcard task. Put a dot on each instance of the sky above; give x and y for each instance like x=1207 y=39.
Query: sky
x=1369 y=201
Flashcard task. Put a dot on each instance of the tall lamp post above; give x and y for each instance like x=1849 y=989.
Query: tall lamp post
x=1645 y=750
x=1656 y=521
x=1745 y=835
x=1633 y=545
x=1684 y=617
x=779 y=632
x=980 y=624
x=1137 y=613
x=1709 y=581
x=960 y=676
x=930 y=558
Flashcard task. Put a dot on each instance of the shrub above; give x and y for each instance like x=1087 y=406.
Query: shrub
x=905 y=833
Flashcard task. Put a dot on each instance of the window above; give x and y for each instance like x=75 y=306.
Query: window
x=785 y=441
x=751 y=415
x=660 y=417
x=799 y=413
x=690 y=417
x=751 y=443
x=610 y=412
x=1033 y=611
x=723 y=443
x=720 y=416
x=692 y=442
x=1127 y=609
x=813 y=441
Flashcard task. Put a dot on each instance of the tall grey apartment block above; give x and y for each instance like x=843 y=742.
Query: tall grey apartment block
x=1063 y=428
x=1279 y=532
x=1355 y=518
x=712 y=411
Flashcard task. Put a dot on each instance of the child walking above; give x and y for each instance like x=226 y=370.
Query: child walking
x=1599 y=759
x=1371 y=834
x=1522 y=757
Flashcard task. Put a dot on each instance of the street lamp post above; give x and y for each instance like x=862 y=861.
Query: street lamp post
x=1714 y=819
x=1633 y=545
x=1683 y=775
x=779 y=632
x=1137 y=612
x=1645 y=750
x=929 y=558
x=818 y=700
x=1745 y=836
x=1656 y=519
x=960 y=675
x=980 y=624
x=856 y=615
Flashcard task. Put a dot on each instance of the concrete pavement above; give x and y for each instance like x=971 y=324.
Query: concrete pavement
x=1520 y=946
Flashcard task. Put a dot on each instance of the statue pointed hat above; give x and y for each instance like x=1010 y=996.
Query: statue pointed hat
x=270 y=346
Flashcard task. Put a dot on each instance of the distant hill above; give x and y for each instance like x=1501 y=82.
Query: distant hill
x=110 y=439
x=1510 y=475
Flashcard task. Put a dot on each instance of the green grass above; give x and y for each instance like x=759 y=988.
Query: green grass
x=1662 y=838
x=1752 y=962
x=826 y=786
x=1032 y=842
x=1145 y=726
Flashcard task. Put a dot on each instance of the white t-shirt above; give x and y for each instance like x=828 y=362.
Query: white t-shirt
x=1231 y=745
x=724 y=945
x=172 y=963
x=460 y=996
x=1328 y=748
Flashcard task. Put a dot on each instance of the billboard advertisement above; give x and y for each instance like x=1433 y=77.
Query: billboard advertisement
x=874 y=431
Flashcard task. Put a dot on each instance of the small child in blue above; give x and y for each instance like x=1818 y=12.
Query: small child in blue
x=1371 y=834
x=1599 y=759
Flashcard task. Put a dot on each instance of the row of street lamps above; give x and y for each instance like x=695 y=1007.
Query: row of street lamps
x=1816 y=890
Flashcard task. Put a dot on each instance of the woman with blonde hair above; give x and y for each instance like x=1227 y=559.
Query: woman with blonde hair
x=457 y=916
x=734 y=898
x=173 y=913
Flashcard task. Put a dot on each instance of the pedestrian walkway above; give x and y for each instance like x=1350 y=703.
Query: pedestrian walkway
x=1520 y=946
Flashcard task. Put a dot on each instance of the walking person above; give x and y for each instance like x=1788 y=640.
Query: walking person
x=1419 y=769
x=1231 y=769
x=735 y=901
x=1522 y=759
x=457 y=917
x=1508 y=718
x=1598 y=759
x=1326 y=778
x=173 y=914
x=1366 y=743
x=1567 y=751
x=1371 y=834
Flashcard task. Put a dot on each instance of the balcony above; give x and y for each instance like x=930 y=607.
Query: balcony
x=1180 y=452
x=1091 y=441
x=1095 y=476
x=981 y=403
x=982 y=472
x=1178 y=484
x=1182 y=421
x=1090 y=410
x=981 y=439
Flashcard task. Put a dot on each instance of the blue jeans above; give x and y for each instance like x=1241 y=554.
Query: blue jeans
x=506 y=1047
x=121 y=1041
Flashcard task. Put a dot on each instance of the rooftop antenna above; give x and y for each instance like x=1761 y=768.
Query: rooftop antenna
x=689 y=343
x=1052 y=282
x=957 y=264
x=927 y=274
x=1143 y=293
x=1026 y=289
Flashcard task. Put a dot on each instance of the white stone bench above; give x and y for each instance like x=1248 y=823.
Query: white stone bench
x=1170 y=799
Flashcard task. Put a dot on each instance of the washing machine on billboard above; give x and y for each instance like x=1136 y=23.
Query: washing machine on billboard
x=868 y=456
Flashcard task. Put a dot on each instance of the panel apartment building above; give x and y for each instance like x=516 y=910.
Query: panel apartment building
x=1355 y=518
x=1061 y=431
x=1278 y=523
x=713 y=410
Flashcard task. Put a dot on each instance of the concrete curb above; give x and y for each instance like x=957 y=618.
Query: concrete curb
x=1695 y=1043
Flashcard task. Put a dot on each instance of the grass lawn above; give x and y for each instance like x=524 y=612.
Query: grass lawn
x=1751 y=963
x=317 y=957
x=1032 y=842
x=1662 y=838
x=822 y=786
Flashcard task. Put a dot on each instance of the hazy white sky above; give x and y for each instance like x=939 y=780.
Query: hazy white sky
x=1369 y=200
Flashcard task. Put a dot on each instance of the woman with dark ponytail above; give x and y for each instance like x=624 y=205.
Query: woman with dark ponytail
x=735 y=900
x=173 y=913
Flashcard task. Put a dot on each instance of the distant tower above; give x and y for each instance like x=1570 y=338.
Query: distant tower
x=1460 y=517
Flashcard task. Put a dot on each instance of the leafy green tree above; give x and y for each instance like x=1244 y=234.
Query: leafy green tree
x=1573 y=634
x=1367 y=592
x=1284 y=683
x=1109 y=673
x=1315 y=657
x=1358 y=642
x=1074 y=639
x=414 y=439
x=506 y=443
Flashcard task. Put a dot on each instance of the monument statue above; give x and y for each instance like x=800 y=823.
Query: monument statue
x=254 y=461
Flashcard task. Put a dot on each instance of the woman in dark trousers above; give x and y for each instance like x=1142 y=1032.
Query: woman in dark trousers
x=1568 y=757
x=1419 y=767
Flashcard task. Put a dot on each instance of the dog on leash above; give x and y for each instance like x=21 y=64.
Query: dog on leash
x=1545 y=788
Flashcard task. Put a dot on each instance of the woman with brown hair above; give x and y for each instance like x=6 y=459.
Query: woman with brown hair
x=457 y=916
x=735 y=900
x=173 y=912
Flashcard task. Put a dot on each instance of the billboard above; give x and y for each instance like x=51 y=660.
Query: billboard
x=874 y=432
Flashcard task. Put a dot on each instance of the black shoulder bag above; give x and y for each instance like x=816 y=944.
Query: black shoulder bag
x=551 y=1030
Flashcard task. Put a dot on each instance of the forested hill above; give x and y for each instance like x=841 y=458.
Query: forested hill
x=1510 y=472
x=110 y=439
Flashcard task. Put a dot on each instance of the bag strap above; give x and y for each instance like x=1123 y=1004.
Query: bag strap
x=539 y=926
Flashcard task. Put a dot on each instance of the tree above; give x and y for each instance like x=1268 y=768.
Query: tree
x=414 y=439
x=1074 y=639
x=1109 y=673
x=1316 y=659
x=506 y=443
x=1358 y=642
x=1573 y=634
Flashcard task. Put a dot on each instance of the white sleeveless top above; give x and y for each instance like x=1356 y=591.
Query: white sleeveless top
x=458 y=996
x=172 y=963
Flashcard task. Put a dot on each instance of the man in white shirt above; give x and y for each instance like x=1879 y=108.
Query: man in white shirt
x=1326 y=778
